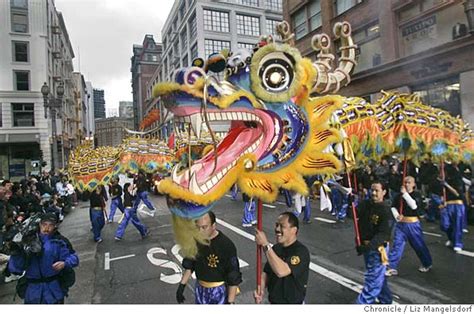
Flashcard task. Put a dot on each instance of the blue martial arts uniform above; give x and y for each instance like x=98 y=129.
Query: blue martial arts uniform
x=116 y=196
x=451 y=218
x=43 y=283
x=97 y=214
x=130 y=216
x=142 y=193
x=249 y=218
x=339 y=203
x=409 y=229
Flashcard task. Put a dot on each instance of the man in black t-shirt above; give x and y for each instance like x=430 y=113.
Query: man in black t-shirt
x=216 y=266
x=374 y=223
x=286 y=272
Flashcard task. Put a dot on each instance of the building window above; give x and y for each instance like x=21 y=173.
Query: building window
x=19 y=16
x=20 y=51
x=315 y=15
x=344 y=5
x=248 y=25
x=23 y=114
x=299 y=23
x=21 y=4
x=212 y=46
x=20 y=22
x=216 y=21
x=184 y=40
x=250 y=3
x=192 y=27
x=182 y=10
x=22 y=80
x=441 y=94
x=271 y=27
x=194 y=51
x=370 y=52
x=275 y=5
x=246 y=46
x=185 y=61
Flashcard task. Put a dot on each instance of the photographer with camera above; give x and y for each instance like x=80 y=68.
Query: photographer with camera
x=48 y=269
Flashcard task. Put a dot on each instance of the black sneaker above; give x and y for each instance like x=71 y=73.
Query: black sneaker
x=146 y=235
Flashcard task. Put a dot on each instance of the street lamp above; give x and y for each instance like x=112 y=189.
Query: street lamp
x=53 y=103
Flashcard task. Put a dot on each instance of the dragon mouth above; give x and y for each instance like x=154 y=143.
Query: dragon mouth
x=251 y=132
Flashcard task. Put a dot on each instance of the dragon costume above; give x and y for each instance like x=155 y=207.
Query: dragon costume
x=278 y=133
x=285 y=123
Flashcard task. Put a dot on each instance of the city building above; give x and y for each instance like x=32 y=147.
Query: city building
x=80 y=131
x=413 y=46
x=125 y=109
x=110 y=131
x=202 y=27
x=112 y=112
x=35 y=49
x=144 y=62
x=99 y=103
x=91 y=111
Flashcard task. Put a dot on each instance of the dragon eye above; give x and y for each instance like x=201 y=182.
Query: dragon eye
x=192 y=74
x=276 y=72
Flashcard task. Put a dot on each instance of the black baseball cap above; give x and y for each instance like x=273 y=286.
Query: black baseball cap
x=50 y=217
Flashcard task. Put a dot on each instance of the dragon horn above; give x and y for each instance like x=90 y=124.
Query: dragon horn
x=327 y=81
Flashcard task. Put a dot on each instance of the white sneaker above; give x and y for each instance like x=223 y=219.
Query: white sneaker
x=448 y=243
x=246 y=225
x=11 y=278
x=391 y=272
x=424 y=269
x=457 y=249
x=465 y=231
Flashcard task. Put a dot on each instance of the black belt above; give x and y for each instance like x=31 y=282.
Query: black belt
x=43 y=279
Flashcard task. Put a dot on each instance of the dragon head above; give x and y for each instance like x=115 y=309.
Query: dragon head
x=276 y=132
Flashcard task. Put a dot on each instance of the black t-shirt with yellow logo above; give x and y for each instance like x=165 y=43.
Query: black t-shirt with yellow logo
x=292 y=288
x=216 y=262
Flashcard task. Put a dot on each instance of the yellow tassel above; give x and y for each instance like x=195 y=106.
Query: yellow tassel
x=187 y=235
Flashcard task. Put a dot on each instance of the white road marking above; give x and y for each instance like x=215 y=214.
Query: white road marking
x=269 y=206
x=432 y=234
x=236 y=230
x=325 y=220
x=466 y=253
x=171 y=279
x=107 y=259
x=346 y=282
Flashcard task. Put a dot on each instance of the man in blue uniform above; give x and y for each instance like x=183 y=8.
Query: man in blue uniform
x=130 y=215
x=249 y=217
x=97 y=206
x=451 y=218
x=216 y=267
x=374 y=223
x=408 y=228
x=44 y=272
x=116 y=196
x=142 y=193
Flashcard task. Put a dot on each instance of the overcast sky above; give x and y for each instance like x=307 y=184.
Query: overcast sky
x=103 y=32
